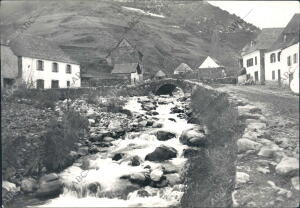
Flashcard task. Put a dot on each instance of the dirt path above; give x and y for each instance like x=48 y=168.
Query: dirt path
x=260 y=180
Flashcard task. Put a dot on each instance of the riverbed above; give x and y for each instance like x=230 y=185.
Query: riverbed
x=104 y=182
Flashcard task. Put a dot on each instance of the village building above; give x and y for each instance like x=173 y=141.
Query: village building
x=160 y=75
x=127 y=61
x=133 y=71
x=183 y=68
x=253 y=54
x=209 y=62
x=282 y=59
x=37 y=63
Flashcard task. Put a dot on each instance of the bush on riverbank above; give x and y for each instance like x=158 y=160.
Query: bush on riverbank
x=210 y=176
x=60 y=139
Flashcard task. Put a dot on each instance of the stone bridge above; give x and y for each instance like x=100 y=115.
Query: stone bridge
x=162 y=86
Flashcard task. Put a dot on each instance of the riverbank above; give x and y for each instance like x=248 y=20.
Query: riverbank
x=268 y=159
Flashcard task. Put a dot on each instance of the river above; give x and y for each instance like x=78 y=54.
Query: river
x=110 y=190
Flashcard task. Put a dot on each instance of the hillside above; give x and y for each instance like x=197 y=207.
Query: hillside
x=168 y=33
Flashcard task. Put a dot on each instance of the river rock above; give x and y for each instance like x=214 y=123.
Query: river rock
x=173 y=179
x=288 y=166
x=143 y=193
x=28 y=185
x=48 y=178
x=108 y=139
x=118 y=156
x=256 y=126
x=283 y=142
x=157 y=125
x=162 y=153
x=172 y=119
x=164 y=135
x=10 y=187
x=94 y=149
x=246 y=144
x=176 y=110
x=160 y=184
x=138 y=178
x=170 y=168
x=156 y=175
x=295 y=182
x=135 y=161
x=242 y=178
x=82 y=151
x=94 y=187
x=268 y=151
x=49 y=188
x=196 y=136
x=115 y=125
x=191 y=152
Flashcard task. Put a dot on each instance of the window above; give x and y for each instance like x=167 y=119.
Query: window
x=284 y=38
x=278 y=55
x=273 y=75
x=295 y=58
x=54 y=67
x=40 y=84
x=255 y=60
x=289 y=60
x=250 y=62
x=54 y=84
x=40 y=65
x=68 y=83
x=68 y=69
x=272 y=58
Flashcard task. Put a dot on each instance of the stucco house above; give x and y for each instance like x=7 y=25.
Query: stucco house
x=182 y=69
x=282 y=59
x=126 y=60
x=40 y=63
x=253 y=53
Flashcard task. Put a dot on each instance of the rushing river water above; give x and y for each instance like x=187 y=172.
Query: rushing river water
x=107 y=172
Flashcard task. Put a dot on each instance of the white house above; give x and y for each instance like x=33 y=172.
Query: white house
x=282 y=59
x=42 y=64
x=253 y=53
x=209 y=62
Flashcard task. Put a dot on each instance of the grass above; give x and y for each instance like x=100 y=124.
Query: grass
x=210 y=176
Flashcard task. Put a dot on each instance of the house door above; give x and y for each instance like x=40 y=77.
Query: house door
x=256 y=76
x=279 y=77
x=291 y=76
x=54 y=84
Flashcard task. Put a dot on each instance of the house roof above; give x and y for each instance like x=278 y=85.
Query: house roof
x=160 y=73
x=263 y=41
x=123 y=41
x=183 y=67
x=201 y=60
x=292 y=32
x=126 y=68
x=40 y=48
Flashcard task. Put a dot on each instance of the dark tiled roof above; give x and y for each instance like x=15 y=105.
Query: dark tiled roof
x=40 y=48
x=292 y=34
x=263 y=41
x=183 y=67
x=125 y=68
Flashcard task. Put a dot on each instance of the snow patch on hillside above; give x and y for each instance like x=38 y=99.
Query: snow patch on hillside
x=143 y=12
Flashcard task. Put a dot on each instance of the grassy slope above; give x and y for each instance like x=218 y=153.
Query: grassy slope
x=88 y=30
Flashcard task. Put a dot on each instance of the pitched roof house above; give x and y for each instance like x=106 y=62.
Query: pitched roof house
x=126 y=60
x=253 y=53
x=209 y=62
x=42 y=64
x=282 y=58
x=160 y=74
x=182 y=69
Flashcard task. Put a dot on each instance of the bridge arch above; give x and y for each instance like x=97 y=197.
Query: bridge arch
x=167 y=86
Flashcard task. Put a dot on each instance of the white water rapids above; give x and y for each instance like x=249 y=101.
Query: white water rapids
x=107 y=172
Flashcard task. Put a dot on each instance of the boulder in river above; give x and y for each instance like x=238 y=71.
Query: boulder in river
x=164 y=135
x=94 y=187
x=173 y=179
x=196 y=136
x=139 y=178
x=157 y=125
x=135 y=161
x=118 y=156
x=28 y=185
x=156 y=175
x=288 y=166
x=176 y=110
x=162 y=153
x=49 y=185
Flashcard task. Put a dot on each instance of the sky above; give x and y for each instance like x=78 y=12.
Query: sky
x=263 y=14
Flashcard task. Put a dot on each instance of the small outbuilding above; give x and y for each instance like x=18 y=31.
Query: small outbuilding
x=160 y=75
x=182 y=69
x=134 y=71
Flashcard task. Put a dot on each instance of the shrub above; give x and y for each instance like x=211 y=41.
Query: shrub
x=60 y=139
